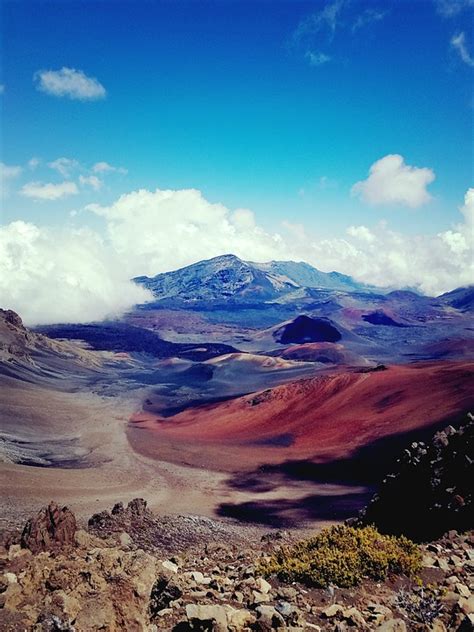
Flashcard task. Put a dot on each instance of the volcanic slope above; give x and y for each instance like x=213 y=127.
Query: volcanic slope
x=325 y=418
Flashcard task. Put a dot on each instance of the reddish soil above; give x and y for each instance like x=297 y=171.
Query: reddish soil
x=324 y=419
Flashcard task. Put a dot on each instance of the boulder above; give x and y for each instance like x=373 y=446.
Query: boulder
x=164 y=591
x=268 y=619
x=208 y=617
x=51 y=528
x=137 y=506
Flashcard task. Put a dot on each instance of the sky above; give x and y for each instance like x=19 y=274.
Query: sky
x=138 y=137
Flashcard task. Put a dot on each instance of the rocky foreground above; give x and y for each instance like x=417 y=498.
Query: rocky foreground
x=130 y=570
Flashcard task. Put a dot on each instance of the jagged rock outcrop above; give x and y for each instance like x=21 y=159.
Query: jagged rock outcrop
x=431 y=490
x=51 y=528
x=101 y=584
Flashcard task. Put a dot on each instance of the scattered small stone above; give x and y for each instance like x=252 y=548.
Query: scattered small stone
x=170 y=566
x=208 y=614
x=463 y=590
x=262 y=585
x=125 y=539
x=354 y=617
x=393 y=625
x=332 y=611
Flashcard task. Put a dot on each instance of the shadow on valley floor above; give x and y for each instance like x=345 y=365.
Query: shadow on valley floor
x=286 y=512
x=341 y=487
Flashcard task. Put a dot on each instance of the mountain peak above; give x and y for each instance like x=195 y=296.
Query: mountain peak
x=228 y=277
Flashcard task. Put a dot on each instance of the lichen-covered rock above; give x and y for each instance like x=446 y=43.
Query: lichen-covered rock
x=51 y=528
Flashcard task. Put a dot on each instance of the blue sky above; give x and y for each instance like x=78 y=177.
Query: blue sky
x=275 y=106
x=221 y=97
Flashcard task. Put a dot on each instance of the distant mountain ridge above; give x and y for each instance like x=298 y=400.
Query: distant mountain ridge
x=229 y=278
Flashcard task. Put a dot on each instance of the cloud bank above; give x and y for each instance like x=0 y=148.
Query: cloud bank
x=391 y=181
x=52 y=276
x=76 y=275
x=70 y=83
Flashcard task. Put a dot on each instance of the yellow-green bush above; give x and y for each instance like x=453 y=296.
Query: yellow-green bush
x=343 y=556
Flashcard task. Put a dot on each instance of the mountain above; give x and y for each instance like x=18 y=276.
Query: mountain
x=33 y=355
x=461 y=298
x=305 y=275
x=229 y=278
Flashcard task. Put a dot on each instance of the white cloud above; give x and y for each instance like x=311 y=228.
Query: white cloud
x=49 y=191
x=33 y=163
x=64 y=166
x=391 y=181
x=164 y=229
x=71 y=83
x=93 y=181
x=361 y=232
x=431 y=263
x=2 y=88
x=51 y=276
x=458 y=42
x=104 y=167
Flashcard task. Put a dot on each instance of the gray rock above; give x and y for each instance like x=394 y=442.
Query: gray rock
x=285 y=609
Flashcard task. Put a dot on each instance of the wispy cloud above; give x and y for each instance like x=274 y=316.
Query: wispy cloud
x=314 y=35
x=92 y=181
x=70 y=83
x=7 y=174
x=317 y=59
x=49 y=191
x=325 y=19
x=458 y=42
x=450 y=8
x=64 y=166
x=2 y=88
x=104 y=167
x=367 y=17
x=33 y=163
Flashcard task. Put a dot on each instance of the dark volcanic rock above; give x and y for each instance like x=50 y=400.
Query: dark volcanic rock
x=305 y=329
x=51 y=528
x=431 y=491
x=461 y=298
x=137 y=506
x=380 y=318
x=11 y=317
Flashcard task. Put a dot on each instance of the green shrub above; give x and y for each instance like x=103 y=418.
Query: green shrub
x=343 y=556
